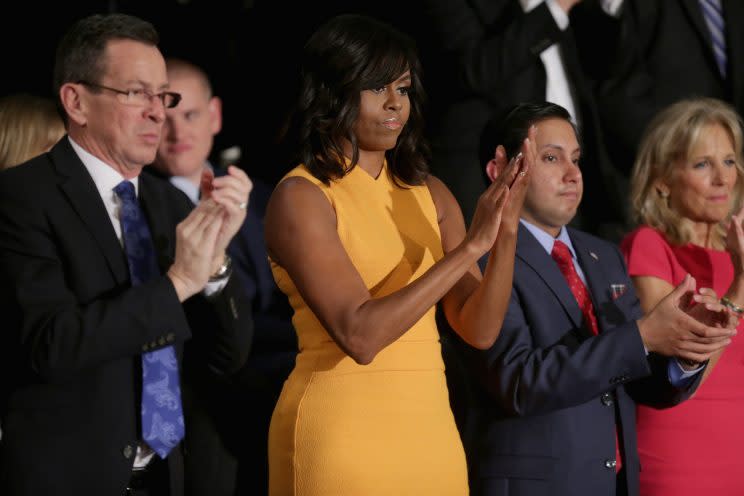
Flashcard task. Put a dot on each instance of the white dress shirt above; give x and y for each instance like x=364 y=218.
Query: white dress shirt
x=106 y=178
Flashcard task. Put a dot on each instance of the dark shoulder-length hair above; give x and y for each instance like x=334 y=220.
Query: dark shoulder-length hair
x=348 y=54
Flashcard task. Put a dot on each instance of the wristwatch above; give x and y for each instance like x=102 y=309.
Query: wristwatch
x=224 y=271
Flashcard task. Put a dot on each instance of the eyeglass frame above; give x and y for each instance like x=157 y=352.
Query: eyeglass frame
x=130 y=94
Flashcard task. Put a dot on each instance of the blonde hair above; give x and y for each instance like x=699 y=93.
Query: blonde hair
x=669 y=138
x=29 y=125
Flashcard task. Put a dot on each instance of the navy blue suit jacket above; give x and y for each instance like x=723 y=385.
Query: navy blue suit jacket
x=554 y=393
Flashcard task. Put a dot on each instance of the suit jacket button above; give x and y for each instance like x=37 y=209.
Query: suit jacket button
x=607 y=399
x=610 y=464
x=128 y=451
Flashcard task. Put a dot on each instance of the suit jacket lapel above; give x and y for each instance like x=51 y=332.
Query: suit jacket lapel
x=596 y=278
x=535 y=256
x=80 y=190
x=162 y=231
x=692 y=7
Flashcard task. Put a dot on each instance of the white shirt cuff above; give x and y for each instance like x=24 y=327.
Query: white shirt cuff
x=213 y=288
x=687 y=373
x=612 y=7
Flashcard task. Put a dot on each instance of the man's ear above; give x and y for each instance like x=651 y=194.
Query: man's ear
x=74 y=103
x=215 y=114
x=496 y=165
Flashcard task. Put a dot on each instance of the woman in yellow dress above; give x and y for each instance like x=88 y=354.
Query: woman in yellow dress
x=365 y=243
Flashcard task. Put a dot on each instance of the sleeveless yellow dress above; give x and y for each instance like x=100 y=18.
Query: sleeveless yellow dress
x=340 y=428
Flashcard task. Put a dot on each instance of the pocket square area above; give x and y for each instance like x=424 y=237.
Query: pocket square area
x=617 y=290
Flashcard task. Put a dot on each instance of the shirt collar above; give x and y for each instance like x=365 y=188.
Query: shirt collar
x=190 y=189
x=546 y=240
x=105 y=177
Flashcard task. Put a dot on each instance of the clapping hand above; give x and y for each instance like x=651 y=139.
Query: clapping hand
x=735 y=242
x=670 y=329
x=231 y=192
x=705 y=307
x=500 y=205
x=196 y=238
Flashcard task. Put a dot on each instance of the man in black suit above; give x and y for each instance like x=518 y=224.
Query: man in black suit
x=105 y=274
x=482 y=57
x=666 y=52
x=229 y=419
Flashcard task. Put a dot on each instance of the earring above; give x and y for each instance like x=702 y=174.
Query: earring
x=664 y=194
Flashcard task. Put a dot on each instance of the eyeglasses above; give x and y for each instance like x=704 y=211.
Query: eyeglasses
x=139 y=97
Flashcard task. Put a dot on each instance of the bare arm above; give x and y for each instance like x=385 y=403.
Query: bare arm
x=651 y=290
x=475 y=309
x=301 y=227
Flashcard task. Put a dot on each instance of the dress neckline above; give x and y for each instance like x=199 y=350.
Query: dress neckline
x=370 y=177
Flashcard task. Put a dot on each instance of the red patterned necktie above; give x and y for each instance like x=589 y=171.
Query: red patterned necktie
x=562 y=256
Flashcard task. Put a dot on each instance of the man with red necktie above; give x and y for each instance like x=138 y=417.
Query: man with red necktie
x=558 y=394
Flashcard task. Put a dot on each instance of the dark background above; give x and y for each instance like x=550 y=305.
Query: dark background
x=249 y=48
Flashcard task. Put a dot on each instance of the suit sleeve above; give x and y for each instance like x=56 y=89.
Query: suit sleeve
x=60 y=318
x=528 y=378
x=223 y=329
x=222 y=324
x=484 y=53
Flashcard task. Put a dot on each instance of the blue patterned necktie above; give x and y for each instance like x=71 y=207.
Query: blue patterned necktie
x=713 y=15
x=162 y=414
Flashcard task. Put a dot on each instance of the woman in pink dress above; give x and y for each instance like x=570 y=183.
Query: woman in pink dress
x=687 y=188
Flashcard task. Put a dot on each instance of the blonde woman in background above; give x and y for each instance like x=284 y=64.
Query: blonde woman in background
x=29 y=126
x=687 y=189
